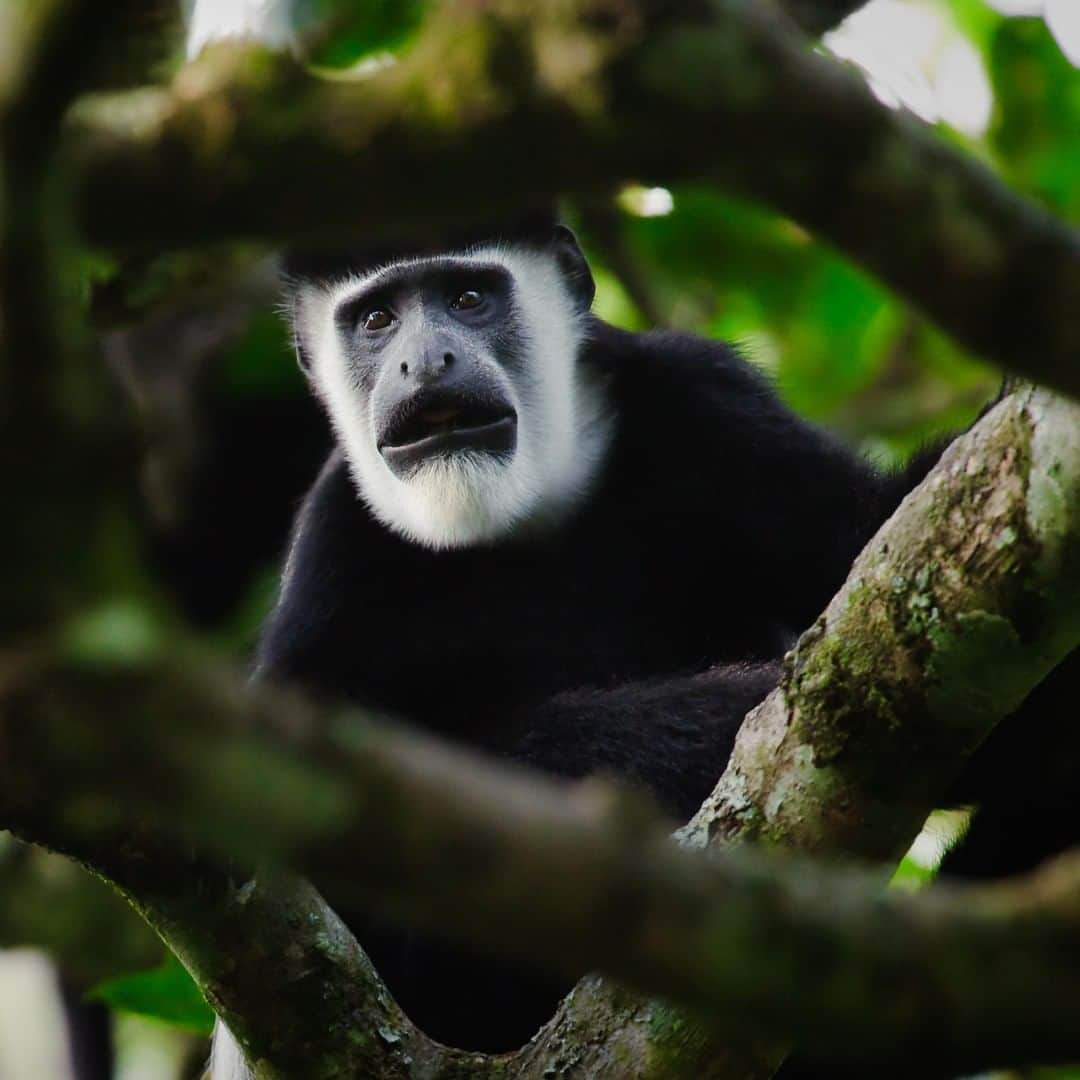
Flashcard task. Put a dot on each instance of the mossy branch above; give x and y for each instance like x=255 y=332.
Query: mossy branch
x=963 y=601
x=513 y=102
x=581 y=878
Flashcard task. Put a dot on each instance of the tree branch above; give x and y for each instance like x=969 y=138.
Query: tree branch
x=981 y=560
x=490 y=90
x=569 y=874
x=911 y=660
x=850 y=763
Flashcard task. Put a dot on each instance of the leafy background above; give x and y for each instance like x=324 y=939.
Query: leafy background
x=227 y=403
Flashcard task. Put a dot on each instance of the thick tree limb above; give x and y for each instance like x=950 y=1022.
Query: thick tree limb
x=549 y=98
x=894 y=659
x=739 y=937
x=583 y=880
x=981 y=560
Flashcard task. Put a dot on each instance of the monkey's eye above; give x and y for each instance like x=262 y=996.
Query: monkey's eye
x=376 y=319
x=468 y=298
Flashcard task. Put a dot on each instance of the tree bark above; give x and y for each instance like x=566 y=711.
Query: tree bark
x=882 y=701
x=513 y=102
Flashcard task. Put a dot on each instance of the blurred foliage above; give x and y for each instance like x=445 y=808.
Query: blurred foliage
x=260 y=362
x=841 y=348
x=360 y=30
x=943 y=830
x=47 y=901
x=910 y=876
x=1036 y=133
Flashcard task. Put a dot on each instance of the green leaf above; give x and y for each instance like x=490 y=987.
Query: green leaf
x=977 y=20
x=1038 y=117
x=612 y=303
x=359 y=30
x=166 y=993
x=838 y=342
x=261 y=361
x=910 y=876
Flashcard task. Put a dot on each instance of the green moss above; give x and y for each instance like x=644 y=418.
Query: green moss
x=833 y=682
x=967 y=678
x=677 y=1045
x=910 y=667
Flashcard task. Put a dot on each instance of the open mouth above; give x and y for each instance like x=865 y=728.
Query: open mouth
x=446 y=425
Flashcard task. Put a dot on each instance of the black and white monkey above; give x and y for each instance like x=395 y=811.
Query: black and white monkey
x=574 y=546
x=564 y=543
x=525 y=500
x=577 y=547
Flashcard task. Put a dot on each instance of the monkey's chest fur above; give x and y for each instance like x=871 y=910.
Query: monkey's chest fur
x=457 y=639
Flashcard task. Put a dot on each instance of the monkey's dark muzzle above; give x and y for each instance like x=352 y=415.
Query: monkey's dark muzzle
x=440 y=422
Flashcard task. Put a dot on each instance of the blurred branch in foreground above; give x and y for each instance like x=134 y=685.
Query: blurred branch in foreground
x=652 y=95
x=403 y=805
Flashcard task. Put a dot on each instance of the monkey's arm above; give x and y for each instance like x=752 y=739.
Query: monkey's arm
x=671 y=737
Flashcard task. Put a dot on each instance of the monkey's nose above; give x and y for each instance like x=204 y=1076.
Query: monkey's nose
x=431 y=368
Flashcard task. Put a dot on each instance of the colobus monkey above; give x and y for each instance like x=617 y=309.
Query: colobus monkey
x=574 y=546
x=526 y=501
x=541 y=535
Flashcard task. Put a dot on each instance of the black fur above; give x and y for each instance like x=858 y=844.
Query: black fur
x=720 y=527
x=709 y=471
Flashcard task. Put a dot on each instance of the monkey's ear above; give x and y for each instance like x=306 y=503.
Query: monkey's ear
x=574 y=267
x=303 y=357
x=292 y=312
x=290 y=280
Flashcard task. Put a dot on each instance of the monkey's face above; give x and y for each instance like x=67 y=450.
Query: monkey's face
x=439 y=349
x=454 y=386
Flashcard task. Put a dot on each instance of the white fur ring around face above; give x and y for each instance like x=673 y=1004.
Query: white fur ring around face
x=563 y=424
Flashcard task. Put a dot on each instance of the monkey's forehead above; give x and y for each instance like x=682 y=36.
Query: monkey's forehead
x=326 y=264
